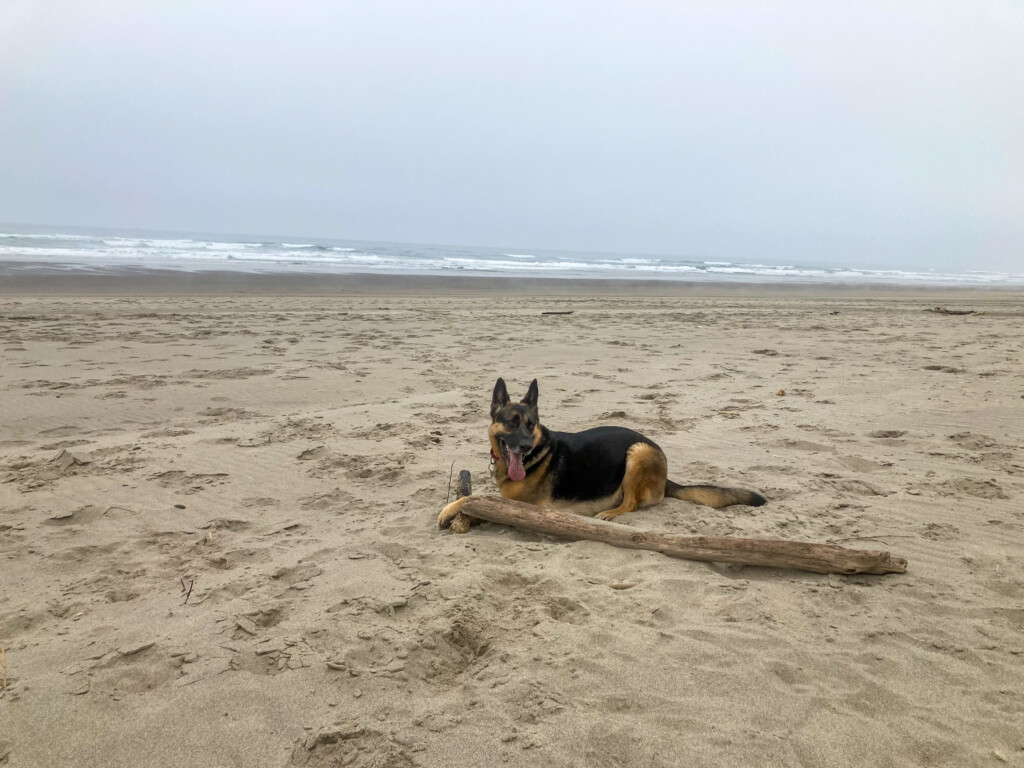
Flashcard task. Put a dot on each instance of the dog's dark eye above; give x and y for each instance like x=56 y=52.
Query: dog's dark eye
x=529 y=425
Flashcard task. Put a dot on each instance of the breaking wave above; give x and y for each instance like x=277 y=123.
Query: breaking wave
x=218 y=253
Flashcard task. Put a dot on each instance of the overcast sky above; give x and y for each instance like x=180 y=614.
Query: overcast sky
x=858 y=133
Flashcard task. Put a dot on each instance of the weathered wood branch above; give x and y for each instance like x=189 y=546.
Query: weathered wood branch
x=465 y=484
x=944 y=311
x=775 y=553
x=460 y=523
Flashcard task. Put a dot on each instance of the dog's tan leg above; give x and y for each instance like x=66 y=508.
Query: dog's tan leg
x=628 y=504
x=643 y=485
x=450 y=516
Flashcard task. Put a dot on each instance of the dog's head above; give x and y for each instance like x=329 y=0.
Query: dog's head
x=515 y=427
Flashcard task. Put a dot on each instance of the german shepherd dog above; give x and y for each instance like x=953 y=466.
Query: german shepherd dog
x=603 y=472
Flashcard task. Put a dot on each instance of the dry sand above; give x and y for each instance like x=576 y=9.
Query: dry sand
x=286 y=457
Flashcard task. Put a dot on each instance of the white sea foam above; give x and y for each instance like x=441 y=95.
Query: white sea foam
x=47 y=237
x=204 y=252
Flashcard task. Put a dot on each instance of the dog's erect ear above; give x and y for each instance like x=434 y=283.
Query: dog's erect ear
x=531 y=395
x=500 y=397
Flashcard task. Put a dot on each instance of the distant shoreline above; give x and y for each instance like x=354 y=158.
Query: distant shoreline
x=196 y=252
x=50 y=278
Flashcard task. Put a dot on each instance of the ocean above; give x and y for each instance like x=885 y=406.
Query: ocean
x=26 y=249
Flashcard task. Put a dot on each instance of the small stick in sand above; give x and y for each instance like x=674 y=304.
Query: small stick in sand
x=3 y=663
x=569 y=312
x=451 y=471
x=190 y=583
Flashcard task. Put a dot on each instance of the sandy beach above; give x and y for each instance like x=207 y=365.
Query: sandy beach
x=218 y=545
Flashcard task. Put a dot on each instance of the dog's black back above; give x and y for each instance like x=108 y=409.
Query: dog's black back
x=590 y=464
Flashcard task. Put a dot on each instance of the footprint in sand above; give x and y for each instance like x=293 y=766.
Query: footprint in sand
x=272 y=656
x=804 y=445
x=238 y=557
x=252 y=623
x=855 y=487
x=87 y=514
x=260 y=502
x=133 y=667
x=968 y=486
x=333 y=499
x=973 y=442
x=221 y=414
x=351 y=745
x=227 y=524
x=296 y=577
x=189 y=483
x=862 y=465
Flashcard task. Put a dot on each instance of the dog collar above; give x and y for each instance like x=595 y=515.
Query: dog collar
x=494 y=459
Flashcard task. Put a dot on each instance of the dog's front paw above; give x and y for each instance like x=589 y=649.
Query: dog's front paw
x=610 y=514
x=449 y=513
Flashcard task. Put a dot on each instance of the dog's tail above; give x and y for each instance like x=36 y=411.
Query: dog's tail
x=713 y=496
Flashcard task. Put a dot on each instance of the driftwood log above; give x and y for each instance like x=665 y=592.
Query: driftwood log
x=461 y=523
x=819 y=558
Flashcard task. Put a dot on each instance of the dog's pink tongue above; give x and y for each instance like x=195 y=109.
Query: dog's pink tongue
x=515 y=466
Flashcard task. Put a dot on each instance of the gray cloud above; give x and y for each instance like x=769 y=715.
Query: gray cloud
x=868 y=134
